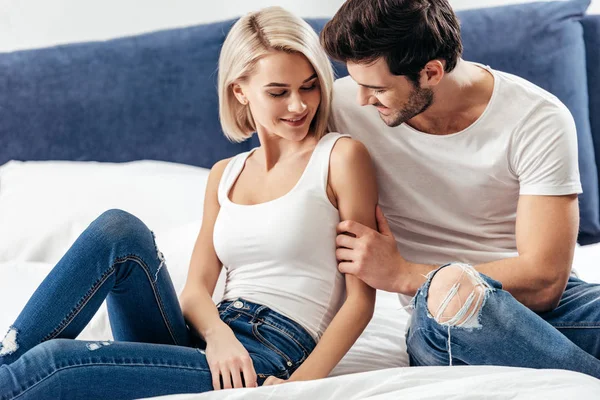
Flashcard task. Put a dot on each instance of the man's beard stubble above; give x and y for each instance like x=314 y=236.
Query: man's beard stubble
x=419 y=100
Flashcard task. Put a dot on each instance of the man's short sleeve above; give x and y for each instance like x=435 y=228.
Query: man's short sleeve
x=543 y=153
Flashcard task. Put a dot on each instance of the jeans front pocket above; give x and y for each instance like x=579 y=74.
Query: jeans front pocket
x=281 y=343
x=229 y=315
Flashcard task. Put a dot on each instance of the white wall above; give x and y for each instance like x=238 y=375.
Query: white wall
x=39 y=23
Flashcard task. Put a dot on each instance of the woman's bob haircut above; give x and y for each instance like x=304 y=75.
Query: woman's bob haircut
x=254 y=36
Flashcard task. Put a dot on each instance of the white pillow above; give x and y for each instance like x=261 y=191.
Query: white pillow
x=45 y=205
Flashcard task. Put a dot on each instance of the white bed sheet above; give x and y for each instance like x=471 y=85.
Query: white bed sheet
x=424 y=383
x=379 y=350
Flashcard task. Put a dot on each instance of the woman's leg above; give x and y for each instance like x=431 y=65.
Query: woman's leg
x=114 y=258
x=75 y=369
x=65 y=369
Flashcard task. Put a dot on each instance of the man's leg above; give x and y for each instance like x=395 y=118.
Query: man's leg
x=578 y=315
x=475 y=322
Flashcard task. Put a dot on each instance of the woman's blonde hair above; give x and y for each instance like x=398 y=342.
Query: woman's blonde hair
x=252 y=37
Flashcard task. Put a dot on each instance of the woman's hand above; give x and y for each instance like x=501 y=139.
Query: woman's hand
x=271 y=381
x=228 y=360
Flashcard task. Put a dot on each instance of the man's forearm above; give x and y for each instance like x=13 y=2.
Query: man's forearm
x=412 y=277
x=535 y=284
x=535 y=288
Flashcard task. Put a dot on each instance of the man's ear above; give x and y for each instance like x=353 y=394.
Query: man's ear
x=432 y=73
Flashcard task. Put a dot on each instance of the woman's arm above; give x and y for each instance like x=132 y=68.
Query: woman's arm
x=225 y=354
x=196 y=299
x=353 y=183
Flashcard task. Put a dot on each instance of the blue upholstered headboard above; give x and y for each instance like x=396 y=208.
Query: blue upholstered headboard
x=154 y=96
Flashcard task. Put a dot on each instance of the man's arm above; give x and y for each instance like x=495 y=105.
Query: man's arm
x=546 y=232
x=542 y=156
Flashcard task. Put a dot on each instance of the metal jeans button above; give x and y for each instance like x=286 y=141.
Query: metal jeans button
x=238 y=304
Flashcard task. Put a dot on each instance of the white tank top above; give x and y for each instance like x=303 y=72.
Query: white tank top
x=281 y=253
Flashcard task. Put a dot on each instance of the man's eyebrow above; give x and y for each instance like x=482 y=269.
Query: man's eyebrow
x=371 y=86
x=310 y=78
x=367 y=86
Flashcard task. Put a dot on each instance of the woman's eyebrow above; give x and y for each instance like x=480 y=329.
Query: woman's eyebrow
x=275 y=84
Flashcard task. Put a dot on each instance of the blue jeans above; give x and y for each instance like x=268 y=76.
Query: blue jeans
x=154 y=353
x=505 y=332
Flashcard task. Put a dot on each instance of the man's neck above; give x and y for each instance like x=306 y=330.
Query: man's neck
x=459 y=100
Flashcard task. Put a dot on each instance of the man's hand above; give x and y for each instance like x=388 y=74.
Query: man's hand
x=370 y=255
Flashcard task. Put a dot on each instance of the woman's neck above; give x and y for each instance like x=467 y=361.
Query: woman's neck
x=274 y=148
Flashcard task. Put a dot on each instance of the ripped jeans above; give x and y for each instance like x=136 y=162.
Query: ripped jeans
x=493 y=328
x=154 y=353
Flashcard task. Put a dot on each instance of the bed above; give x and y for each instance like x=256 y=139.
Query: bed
x=132 y=123
x=34 y=234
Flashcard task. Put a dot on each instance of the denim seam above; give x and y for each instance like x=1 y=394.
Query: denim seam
x=577 y=326
x=141 y=263
x=79 y=306
x=170 y=366
x=281 y=330
x=286 y=332
x=232 y=319
x=423 y=331
x=131 y=257
x=269 y=345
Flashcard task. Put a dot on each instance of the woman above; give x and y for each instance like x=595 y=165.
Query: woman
x=270 y=218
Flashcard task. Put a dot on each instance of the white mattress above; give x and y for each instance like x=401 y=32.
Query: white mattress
x=45 y=205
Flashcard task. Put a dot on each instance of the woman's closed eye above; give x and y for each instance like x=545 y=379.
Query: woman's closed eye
x=284 y=92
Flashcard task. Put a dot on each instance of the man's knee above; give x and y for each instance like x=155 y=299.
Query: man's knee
x=456 y=295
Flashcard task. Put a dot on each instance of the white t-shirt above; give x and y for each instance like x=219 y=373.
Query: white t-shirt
x=454 y=197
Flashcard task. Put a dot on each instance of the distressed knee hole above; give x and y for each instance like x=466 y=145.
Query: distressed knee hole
x=456 y=296
x=9 y=344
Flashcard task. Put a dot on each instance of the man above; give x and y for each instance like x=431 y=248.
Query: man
x=478 y=179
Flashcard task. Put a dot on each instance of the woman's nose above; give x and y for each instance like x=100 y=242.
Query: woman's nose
x=296 y=104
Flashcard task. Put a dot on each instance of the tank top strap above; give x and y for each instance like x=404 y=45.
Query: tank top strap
x=319 y=171
x=230 y=174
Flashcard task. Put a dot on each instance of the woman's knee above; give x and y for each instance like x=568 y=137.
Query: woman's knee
x=115 y=226
x=126 y=234
x=118 y=222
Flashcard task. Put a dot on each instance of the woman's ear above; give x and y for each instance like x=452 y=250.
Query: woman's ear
x=238 y=92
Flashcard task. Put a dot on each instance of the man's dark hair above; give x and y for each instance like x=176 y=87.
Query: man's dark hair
x=406 y=33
